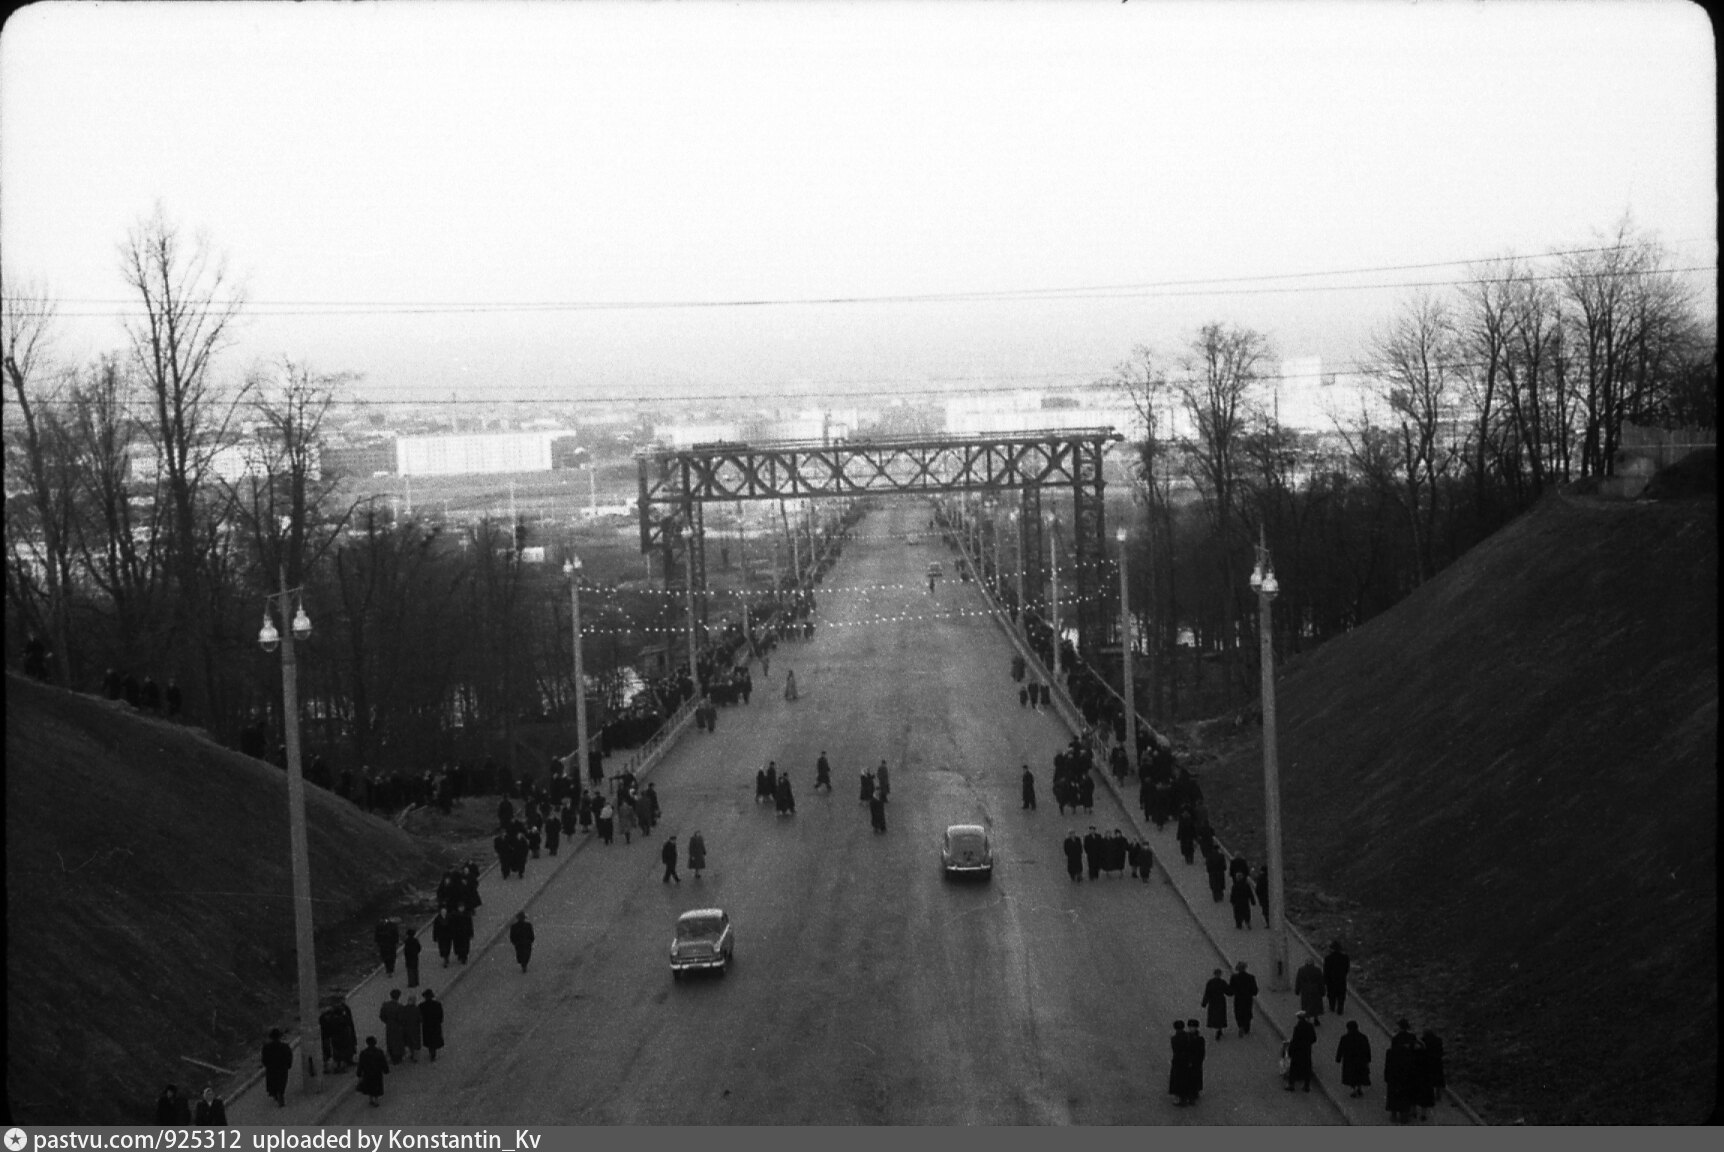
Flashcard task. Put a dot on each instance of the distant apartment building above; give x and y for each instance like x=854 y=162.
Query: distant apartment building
x=475 y=453
x=689 y=434
x=1026 y=411
x=1303 y=397
x=232 y=462
x=364 y=459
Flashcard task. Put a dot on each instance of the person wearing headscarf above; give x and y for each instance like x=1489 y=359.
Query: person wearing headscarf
x=1308 y=985
x=211 y=1112
x=1353 y=1054
x=373 y=1065
x=1299 y=1046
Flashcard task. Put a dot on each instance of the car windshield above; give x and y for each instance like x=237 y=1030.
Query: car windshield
x=705 y=928
x=968 y=841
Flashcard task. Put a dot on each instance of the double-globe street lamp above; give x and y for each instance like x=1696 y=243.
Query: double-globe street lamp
x=1054 y=592
x=268 y=638
x=572 y=569
x=1263 y=583
x=688 y=566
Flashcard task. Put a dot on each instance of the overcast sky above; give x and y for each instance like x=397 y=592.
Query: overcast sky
x=353 y=159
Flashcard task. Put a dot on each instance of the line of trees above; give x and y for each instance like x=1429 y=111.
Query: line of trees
x=1477 y=402
x=154 y=503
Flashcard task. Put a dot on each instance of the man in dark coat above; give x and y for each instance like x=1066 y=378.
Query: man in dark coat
x=1029 y=789
x=1243 y=986
x=521 y=936
x=761 y=791
x=1353 y=1054
x=1074 y=855
x=388 y=937
x=553 y=834
x=1215 y=994
x=877 y=812
x=1196 y=1049
x=1242 y=902
x=1092 y=850
x=172 y=1111
x=1187 y=833
x=786 y=796
x=461 y=931
x=1216 y=864
x=329 y=1026
x=1299 y=1046
x=1309 y=987
x=1398 y=1074
x=431 y=1022
x=1179 y=1070
x=1336 y=965
x=772 y=779
x=823 y=773
x=668 y=855
x=373 y=1066
x=394 y=1034
x=1086 y=792
x=1429 y=1078
x=211 y=1111
x=410 y=949
x=883 y=782
x=867 y=790
x=277 y=1063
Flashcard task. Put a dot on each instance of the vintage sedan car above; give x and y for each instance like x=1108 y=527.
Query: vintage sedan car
x=703 y=940
x=965 y=850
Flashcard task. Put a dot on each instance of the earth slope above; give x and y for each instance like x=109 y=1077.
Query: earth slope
x=149 y=913
x=1503 y=794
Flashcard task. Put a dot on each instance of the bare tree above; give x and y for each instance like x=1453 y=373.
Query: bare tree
x=1218 y=392
x=37 y=451
x=188 y=305
x=1152 y=394
x=1418 y=366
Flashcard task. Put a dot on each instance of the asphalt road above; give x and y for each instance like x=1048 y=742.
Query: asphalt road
x=866 y=989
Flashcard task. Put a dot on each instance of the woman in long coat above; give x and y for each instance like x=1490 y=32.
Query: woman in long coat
x=1178 y=1072
x=867 y=790
x=1353 y=1054
x=1312 y=991
x=431 y=1023
x=1398 y=1074
x=394 y=1034
x=696 y=854
x=1428 y=1077
x=410 y=1030
x=373 y=1066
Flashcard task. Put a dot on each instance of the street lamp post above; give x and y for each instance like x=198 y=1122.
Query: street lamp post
x=1018 y=546
x=267 y=638
x=688 y=565
x=1125 y=657
x=993 y=519
x=1054 y=597
x=572 y=569
x=1264 y=584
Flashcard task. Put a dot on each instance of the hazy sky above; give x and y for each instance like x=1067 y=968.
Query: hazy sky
x=353 y=160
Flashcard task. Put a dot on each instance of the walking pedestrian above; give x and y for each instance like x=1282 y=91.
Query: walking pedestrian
x=211 y=1111
x=668 y=855
x=440 y=935
x=696 y=854
x=1187 y=833
x=607 y=817
x=1029 y=789
x=1179 y=1069
x=373 y=1066
x=1196 y=1052
x=1336 y=965
x=1309 y=987
x=172 y=1111
x=883 y=782
x=1215 y=995
x=553 y=835
x=277 y=1063
x=329 y=1025
x=1244 y=989
x=823 y=773
x=394 y=1038
x=1242 y=902
x=1399 y=1088
x=867 y=790
x=410 y=949
x=1074 y=855
x=1353 y=1054
x=626 y=821
x=790 y=685
x=1216 y=863
x=1299 y=1046
x=346 y=1037
x=1092 y=850
x=1429 y=1079
x=431 y=1023
x=521 y=936
x=388 y=937
x=410 y=1028
x=877 y=813
x=786 y=796
x=460 y=931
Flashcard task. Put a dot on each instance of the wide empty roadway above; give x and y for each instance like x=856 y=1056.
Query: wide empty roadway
x=867 y=989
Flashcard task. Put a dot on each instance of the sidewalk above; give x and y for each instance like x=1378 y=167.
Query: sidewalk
x=500 y=900
x=1275 y=1009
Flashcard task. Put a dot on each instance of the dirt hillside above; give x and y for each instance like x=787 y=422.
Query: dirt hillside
x=1503 y=794
x=149 y=913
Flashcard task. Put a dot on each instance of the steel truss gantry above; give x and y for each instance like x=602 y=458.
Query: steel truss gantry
x=675 y=483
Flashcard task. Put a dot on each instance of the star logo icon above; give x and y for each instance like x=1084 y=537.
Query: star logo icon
x=15 y=1139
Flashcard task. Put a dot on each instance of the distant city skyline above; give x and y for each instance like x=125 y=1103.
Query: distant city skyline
x=827 y=201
